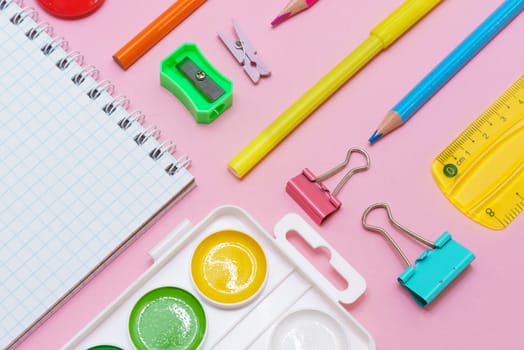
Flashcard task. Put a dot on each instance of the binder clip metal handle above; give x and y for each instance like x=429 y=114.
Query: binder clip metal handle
x=397 y=225
x=434 y=269
x=314 y=197
x=342 y=165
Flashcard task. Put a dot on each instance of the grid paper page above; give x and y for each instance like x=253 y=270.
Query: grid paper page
x=73 y=184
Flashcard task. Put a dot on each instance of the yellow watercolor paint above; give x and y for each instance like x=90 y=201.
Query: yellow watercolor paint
x=229 y=267
x=482 y=171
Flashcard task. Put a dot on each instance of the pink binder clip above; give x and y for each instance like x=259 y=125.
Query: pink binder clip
x=314 y=197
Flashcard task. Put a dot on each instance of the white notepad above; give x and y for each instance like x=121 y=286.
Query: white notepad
x=76 y=185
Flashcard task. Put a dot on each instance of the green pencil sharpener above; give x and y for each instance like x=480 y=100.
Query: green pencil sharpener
x=189 y=76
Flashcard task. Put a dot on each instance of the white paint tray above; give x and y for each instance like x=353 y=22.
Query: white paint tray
x=293 y=284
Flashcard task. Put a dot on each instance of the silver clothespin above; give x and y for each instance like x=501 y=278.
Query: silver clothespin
x=246 y=54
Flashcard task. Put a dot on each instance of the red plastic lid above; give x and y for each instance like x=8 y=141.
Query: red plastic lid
x=70 y=8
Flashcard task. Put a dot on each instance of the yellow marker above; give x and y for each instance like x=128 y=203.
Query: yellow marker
x=482 y=171
x=382 y=36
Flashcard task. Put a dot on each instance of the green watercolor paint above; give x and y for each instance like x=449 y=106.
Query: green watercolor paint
x=105 y=347
x=167 y=318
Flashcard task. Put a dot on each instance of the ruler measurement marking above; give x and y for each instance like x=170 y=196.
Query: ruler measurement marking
x=477 y=126
x=503 y=223
x=507 y=220
x=494 y=124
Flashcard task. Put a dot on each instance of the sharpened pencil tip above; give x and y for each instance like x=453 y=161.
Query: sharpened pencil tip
x=375 y=137
x=280 y=19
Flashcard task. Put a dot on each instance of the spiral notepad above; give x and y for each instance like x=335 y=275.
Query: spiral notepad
x=80 y=176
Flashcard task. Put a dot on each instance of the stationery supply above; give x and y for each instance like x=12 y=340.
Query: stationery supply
x=236 y=280
x=434 y=269
x=308 y=330
x=81 y=178
x=314 y=197
x=188 y=75
x=155 y=31
x=198 y=293
x=481 y=171
x=291 y=9
x=70 y=9
x=450 y=66
x=172 y=312
x=381 y=37
x=246 y=54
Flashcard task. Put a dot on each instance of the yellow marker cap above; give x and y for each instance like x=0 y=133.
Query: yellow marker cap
x=402 y=19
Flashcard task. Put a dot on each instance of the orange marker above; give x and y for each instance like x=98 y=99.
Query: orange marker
x=155 y=31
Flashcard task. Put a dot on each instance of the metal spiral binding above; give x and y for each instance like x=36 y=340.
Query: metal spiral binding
x=136 y=116
x=64 y=62
x=112 y=106
x=120 y=101
x=158 y=152
x=104 y=85
x=90 y=70
x=173 y=168
x=142 y=137
x=4 y=4
x=51 y=46
x=35 y=32
x=20 y=16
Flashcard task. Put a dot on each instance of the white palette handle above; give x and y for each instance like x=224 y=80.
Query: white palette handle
x=166 y=244
x=356 y=283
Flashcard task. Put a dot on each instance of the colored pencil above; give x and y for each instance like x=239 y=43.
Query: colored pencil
x=155 y=31
x=448 y=67
x=380 y=38
x=291 y=9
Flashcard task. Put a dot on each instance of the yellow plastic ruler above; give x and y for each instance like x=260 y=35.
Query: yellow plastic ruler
x=482 y=171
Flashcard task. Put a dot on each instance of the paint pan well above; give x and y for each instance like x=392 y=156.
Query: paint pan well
x=229 y=268
x=167 y=318
x=308 y=330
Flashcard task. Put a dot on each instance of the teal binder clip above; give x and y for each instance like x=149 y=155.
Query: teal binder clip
x=434 y=269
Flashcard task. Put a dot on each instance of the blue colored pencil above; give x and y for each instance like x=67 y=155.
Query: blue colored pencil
x=448 y=67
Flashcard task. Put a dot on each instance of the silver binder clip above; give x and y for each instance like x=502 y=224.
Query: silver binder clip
x=246 y=54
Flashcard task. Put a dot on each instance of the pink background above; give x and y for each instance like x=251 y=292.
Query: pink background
x=481 y=311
